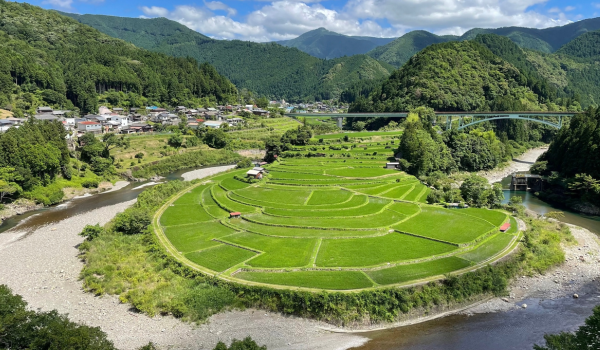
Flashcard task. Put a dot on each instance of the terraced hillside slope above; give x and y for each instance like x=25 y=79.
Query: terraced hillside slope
x=339 y=221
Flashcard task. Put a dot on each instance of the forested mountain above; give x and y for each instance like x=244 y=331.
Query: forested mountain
x=546 y=40
x=325 y=44
x=402 y=49
x=454 y=76
x=266 y=69
x=52 y=59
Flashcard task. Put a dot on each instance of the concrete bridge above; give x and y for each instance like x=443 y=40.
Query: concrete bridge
x=524 y=182
x=465 y=119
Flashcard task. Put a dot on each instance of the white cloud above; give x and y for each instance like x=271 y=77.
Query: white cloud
x=217 y=5
x=62 y=4
x=570 y=8
x=155 y=11
x=286 y=19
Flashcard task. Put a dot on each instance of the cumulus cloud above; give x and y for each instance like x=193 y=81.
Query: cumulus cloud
x=286 y=19
x=62 y=4
x=217 y=5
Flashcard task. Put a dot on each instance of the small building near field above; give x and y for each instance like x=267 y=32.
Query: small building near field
x=94 y=127
x=235 y=214
x=456 y=206
x=392 y=165
x=254 y=174
x=505 y=227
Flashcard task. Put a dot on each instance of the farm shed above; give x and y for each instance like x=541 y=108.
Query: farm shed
x=235 y=214
x=393 y=165
x=504 y=227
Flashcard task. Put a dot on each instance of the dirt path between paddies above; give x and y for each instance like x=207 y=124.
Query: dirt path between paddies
x=44 y=268
x=521 y=163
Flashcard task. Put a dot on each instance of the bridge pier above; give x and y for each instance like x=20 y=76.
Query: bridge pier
x=340 y=122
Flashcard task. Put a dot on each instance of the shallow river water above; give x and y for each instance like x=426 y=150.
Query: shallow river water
x=515 y=329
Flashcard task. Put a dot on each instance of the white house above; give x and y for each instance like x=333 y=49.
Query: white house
x=94 y=127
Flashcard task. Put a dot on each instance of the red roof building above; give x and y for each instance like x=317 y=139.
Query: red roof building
x=505 y=227
x=235 y=214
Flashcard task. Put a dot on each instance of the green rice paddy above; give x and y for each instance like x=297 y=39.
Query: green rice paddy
x=336 y=223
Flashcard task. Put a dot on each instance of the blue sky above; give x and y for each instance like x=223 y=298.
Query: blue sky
x=265 y=20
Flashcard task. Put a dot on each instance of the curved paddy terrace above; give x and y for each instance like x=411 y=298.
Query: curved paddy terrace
x=327 y=223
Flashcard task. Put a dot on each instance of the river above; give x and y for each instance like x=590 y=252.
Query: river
x=515 y=329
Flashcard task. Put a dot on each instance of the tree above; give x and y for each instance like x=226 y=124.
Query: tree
x=475 y=190
x=8 y=186
x=262 y=102
x=112 y=140
x=273 y=147
x=216 y=138
x=244 y=163
x=246 y=344
x=26 y=329
x=422 y=153
x=176 y=140
x=586 y=337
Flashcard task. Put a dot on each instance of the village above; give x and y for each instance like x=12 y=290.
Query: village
x=143 y=120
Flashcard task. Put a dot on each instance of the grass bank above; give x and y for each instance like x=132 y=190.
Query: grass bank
x=125 y=259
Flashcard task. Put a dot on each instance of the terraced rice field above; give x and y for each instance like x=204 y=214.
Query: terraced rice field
x=328 y=223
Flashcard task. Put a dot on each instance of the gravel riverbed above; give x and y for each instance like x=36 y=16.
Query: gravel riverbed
x=43 y=266
x=521 y=163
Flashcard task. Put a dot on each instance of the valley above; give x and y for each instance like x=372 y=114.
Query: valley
x=163 y=189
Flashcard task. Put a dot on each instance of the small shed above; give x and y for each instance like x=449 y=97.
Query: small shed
x=235 y=214
x=254 y=174
x=505 y=227
x=392 y=165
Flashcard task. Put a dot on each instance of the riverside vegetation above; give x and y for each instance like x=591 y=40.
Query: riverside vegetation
x=27 y=329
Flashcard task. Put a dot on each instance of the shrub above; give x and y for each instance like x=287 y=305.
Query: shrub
x=90 y=232
x=90 y=183
x=139 y=155
x=132 y=221
x=244 y=163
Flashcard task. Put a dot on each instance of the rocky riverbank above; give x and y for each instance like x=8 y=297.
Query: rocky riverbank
x=43 y=266
x=521 y=163
x=577 y=276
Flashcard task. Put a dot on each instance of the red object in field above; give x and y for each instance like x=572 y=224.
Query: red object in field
x=236 y=214
x=505 y=227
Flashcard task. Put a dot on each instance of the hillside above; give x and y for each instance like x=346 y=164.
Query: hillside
x=266 y=69
x=453 y=76
x=56 y=61
x=546 y=40
x=402 y=49
x=326 y=44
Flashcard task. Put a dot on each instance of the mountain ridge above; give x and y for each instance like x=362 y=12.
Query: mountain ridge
x=322 y=43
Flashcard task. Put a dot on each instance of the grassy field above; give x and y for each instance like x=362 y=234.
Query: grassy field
x=359 y=134
x=340 y=222
x=335 y=280
x=393 y=247
x=406 y=273
x=446 y=225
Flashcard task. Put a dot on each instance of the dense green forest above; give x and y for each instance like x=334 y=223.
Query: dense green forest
x=322 y=43
x=546 y=40
x=572 y=163
x=458 y=76
x=51 y=59
x=267 y=69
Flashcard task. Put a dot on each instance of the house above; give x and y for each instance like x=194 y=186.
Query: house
x=48 y=117
x=392 y=165
x=260 y=112
x=8 y=123
x=505 y=227
x=259 y=169
x=43 y=110
x=135 y=128
x=180 y=109
x=254 y=174
x=249 y=107
x=213 y=124
x=94 y=127
x=235 y=121
x=235 y=214
x=103 y=110
x=118 y=110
